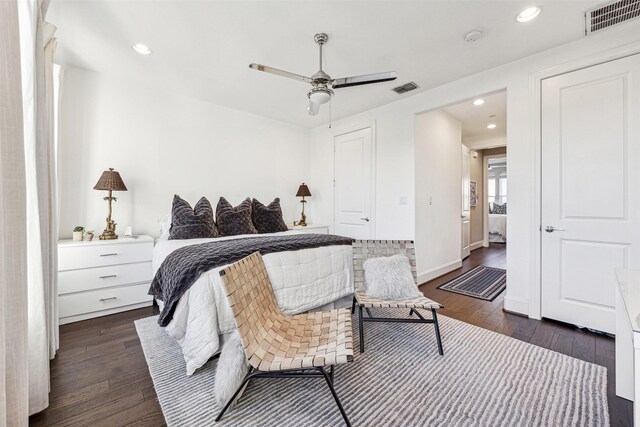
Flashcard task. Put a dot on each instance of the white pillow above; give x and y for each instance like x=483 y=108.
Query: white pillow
x=231 y=370
x=390 y=278
x=165 y=226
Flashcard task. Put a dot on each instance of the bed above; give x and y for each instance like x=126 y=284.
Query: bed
x=303 y=280
x=497 y=228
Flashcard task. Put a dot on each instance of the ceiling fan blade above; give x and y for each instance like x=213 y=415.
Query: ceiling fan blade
x=278 y=72
x=313 y=108
x=364 y=80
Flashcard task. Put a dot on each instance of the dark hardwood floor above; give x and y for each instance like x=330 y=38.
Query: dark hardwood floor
x=100 y=377
x=560 y=337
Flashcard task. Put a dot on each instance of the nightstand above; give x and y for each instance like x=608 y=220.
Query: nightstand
x=311 y=228
x=103 y=277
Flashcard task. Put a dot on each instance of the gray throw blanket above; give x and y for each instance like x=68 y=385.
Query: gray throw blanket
x=183 y=266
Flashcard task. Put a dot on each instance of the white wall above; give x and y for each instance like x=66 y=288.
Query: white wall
x=438 y=163
x=395 y=150
x=163 y=144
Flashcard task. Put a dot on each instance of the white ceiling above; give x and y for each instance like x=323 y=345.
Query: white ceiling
x=475 y=119
x=203 y=48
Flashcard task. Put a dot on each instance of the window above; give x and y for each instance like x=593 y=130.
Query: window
x=491 y=191
x=502 y=190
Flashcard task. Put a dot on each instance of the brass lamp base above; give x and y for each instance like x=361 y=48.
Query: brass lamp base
x=108 y=235
x=303 y=217
x=302 y=222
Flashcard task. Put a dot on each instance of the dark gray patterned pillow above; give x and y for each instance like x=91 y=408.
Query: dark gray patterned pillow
x=268 y=219
x=196 y=223
x=500 y=209
x=233 y=221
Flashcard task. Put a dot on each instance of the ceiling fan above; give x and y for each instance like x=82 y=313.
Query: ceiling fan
x=322 y=83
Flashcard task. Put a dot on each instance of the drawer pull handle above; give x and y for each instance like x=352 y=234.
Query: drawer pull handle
x=108 y=299
x=109 y=276
x=108 y=254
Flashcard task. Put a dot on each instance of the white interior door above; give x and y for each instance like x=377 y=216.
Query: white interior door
x=590 y=189
x=353 y=184
x=465 y=215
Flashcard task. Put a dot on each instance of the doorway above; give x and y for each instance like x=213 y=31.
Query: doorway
x=450 y=192
x=354 y=183
x=496 y=183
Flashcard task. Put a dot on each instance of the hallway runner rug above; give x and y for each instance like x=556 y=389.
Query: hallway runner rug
x=481 y=282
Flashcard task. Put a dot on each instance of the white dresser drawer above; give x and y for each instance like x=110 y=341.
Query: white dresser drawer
x=102 y=299
x=75 y=257
x=102 y=277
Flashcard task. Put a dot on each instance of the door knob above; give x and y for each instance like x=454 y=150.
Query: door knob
x=365 y=219
x=551 y=229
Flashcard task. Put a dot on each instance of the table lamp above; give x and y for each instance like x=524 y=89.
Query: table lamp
x=303 y=191
x=110 y=181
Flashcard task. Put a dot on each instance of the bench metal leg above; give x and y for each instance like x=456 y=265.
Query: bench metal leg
x=437 y=327
x=233 y=398
x=361 y=325
x=335 y=397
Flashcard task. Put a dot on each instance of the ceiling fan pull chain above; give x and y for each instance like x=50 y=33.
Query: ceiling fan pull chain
x=329 y=113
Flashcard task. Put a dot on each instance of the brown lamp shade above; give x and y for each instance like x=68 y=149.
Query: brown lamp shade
x=110 y=180
x=303 y=191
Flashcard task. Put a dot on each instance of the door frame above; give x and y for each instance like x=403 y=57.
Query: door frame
x=535 y=108
x=469 y=243
x=342 y=131
x=485 y=184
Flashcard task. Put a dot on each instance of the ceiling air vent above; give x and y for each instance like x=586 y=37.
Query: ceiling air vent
x=611 y=14
x=407 y=87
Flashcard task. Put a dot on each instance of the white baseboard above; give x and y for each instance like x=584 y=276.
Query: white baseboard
x=86 y=316
x=516 y=305
x=438 y=271
x=476 y=245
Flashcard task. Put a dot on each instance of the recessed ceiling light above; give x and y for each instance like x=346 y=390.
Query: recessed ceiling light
x=491 y=126
x=478 y=102
x=142 y=49
x=528 y=14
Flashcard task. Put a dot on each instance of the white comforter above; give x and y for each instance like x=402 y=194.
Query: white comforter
x=498 y=225
x=302 y=280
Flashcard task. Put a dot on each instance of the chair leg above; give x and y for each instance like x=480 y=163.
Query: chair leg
x=331 y=373
x=369 y=312
x=438 y=338
x=244 y=382
x=353 y=305
x=361 y=325
x=335 y=395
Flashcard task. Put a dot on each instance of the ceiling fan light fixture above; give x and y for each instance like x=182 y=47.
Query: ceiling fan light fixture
x=320 y=96
x=322 y=83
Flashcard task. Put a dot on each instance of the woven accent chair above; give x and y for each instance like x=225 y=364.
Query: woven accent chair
x=364 y=249
x=279 y=346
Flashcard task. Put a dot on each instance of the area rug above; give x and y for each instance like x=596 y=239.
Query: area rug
x=481 y=282
x=483 y=379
